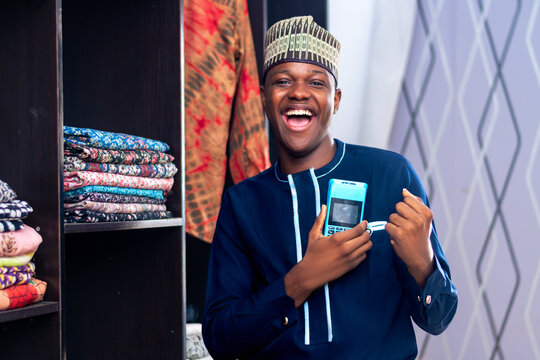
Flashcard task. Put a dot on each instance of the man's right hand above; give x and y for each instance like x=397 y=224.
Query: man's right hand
x=327 y=258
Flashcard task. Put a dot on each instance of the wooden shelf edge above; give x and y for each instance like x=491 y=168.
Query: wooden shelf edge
x=121 y=225
x=41 y=308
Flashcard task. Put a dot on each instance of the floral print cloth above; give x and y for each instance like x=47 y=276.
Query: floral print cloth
x=114 y=208
x=12 y=275
x=166 y=170
x=19 y=260
x=14 y=210
x=6 y=193
x=20 y=242
x=87 y=216
x=111 y=140
x=21 y=295
x=10 y=225
x=77 y=179
x=156 y=194
x=92 y=154
x=112 y=198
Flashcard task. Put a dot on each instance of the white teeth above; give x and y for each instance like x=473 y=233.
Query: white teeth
x=298 y=113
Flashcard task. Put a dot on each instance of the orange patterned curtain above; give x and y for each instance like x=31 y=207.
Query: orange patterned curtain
x=223 y=106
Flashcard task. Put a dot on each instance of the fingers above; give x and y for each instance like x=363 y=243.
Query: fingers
x=411 y=207
x=406 y=193
x=354 y=241
x=352 y=233
x=318 y=225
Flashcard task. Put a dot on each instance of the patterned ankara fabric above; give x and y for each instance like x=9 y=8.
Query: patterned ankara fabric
x=77 y=179
x=128 y=157
x=111 y=198
x=6 y=193
x=18 y=260
x=156 y=194
x=21 y=295
x=15 y=210
x=15 y=243
x=30 y=267
x=110 y=140
x=167 y=170
x=223 y=106
x=87 y=216
x=10 y=225
x=114 y=208
x=13 y=275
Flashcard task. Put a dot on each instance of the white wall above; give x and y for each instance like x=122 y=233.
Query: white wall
x=375 y=37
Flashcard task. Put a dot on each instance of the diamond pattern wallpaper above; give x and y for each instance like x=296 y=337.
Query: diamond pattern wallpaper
x=469 y=120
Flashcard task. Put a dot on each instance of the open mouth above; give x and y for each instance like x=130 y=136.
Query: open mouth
x=298 y=119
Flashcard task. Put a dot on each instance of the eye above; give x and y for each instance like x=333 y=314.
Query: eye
x=318 y=83
x=282 y=82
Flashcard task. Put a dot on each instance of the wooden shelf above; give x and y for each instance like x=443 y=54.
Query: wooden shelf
x=121 y=225
x=90 y=64
x=41 y=308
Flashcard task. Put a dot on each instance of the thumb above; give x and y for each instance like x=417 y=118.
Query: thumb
x=318 y=225
x=407 y=193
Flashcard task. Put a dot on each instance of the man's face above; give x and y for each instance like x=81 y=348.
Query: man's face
x=299 y=100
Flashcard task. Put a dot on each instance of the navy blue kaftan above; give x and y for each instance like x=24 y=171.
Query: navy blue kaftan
x=262 y=232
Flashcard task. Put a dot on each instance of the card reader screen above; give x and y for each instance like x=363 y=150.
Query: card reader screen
x=345 y=212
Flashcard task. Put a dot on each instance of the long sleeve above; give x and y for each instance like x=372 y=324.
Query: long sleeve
x=433 y=307
x=241 y=316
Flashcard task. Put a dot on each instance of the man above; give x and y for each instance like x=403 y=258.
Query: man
x=278 y=288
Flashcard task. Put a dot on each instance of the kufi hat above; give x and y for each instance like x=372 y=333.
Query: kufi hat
x=300 y=39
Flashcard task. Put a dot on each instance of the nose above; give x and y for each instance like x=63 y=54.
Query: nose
x=299 y=91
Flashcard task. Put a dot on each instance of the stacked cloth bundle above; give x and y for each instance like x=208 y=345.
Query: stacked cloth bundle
x=115 y=177
x=18 y=243
x=195 y=348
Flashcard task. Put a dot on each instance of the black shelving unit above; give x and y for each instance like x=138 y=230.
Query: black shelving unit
x=115 y=290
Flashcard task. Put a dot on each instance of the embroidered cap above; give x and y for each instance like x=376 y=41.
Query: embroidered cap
x=300 y=39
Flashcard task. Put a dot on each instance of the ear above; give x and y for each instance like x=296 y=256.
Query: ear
x=337 y=99
x=263 y=96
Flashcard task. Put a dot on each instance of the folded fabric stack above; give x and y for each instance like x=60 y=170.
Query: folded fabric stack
x=18 y=243
x=195 y=348
x=115 y=177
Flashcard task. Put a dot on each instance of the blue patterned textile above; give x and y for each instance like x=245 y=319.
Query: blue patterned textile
x=156 y=194
x=167 y=170
x=110 y=140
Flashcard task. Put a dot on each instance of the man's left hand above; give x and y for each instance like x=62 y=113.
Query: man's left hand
x=410 y=229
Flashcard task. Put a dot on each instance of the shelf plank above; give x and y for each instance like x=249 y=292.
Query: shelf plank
x=41 y=308
x=121 y=225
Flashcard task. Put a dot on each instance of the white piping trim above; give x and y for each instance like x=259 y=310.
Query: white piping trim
x=326 y=173
x=296 y=219
x=306 y=320
x=335 y=166
x=326 y=289
x=298 y=248
x=317 y=192
x=275 y=173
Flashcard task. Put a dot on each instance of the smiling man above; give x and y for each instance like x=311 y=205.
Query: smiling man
x=278 y=288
